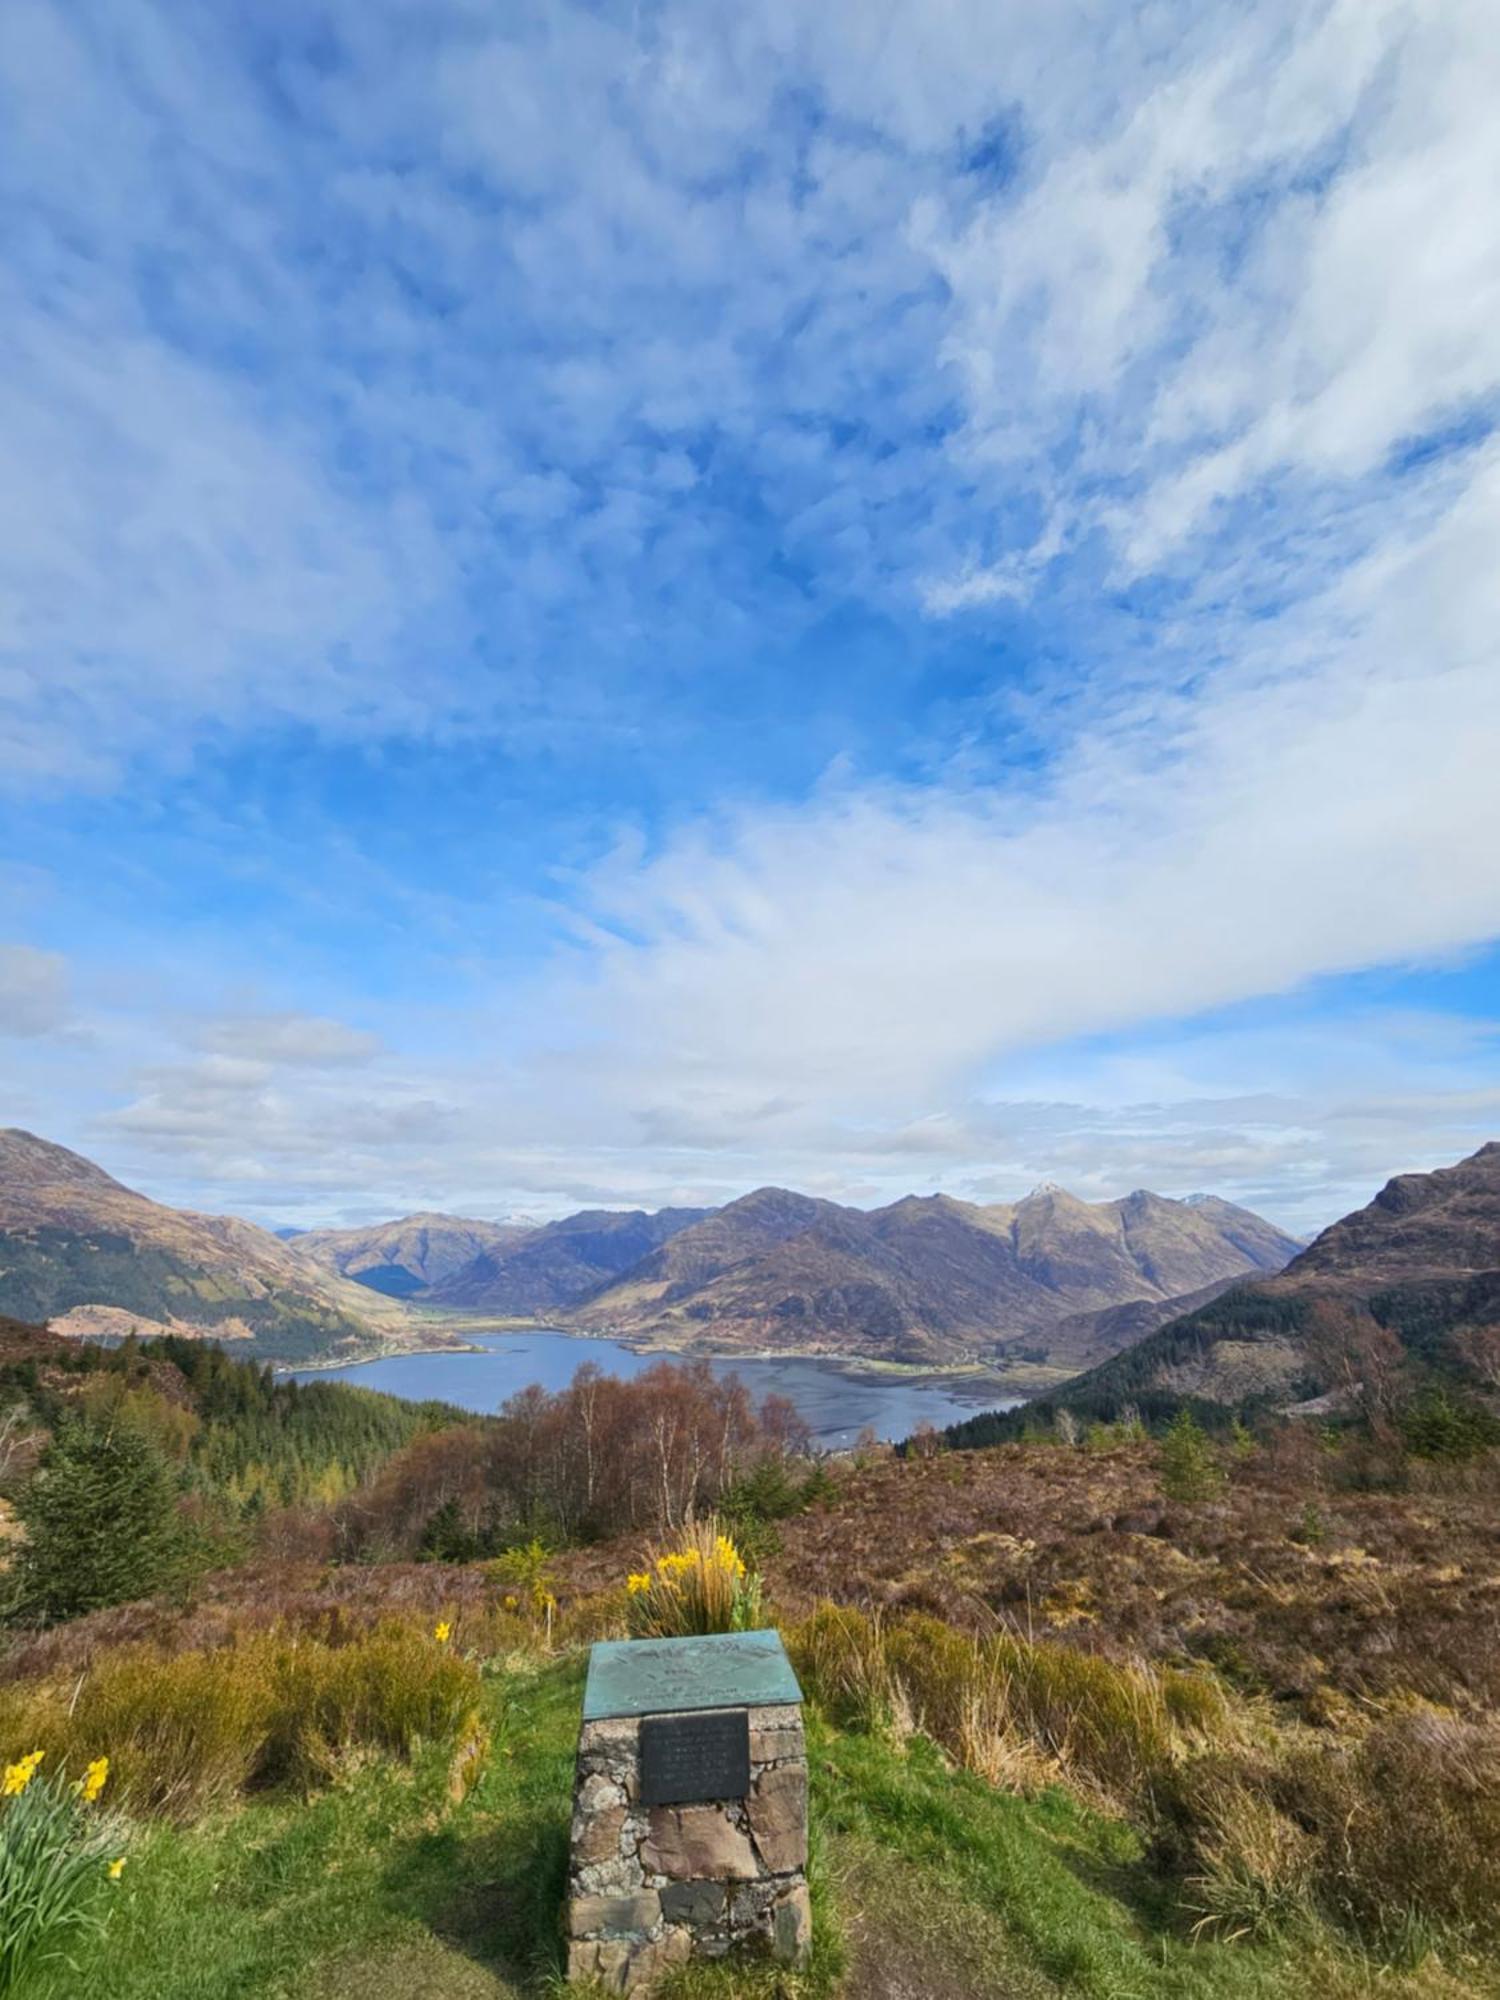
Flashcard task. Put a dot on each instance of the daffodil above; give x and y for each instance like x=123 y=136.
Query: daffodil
x=637 y=1582
x=93 y=1779
x=18 y=1776
x=116 y=1868
x=442 y=1631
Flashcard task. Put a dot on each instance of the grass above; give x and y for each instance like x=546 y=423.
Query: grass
x=187 y=1732
x=929 y=1884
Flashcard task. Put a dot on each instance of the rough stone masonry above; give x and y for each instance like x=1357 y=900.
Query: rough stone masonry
x=654 y=1885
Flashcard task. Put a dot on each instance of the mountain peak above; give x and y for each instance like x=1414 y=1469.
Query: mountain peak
x=27 y=1161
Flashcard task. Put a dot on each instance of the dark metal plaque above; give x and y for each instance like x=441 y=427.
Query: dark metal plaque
x=695 y=1757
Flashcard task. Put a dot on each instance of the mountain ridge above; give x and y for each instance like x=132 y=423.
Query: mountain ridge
x=925 y=1280
x=1421 y=1259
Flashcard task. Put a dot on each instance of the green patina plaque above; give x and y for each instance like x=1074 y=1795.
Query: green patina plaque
x=656 y=1676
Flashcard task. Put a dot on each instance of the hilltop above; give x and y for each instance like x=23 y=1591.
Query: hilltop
x=410 y=1256
x=79 y=1249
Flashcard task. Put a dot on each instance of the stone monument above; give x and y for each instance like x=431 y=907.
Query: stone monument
x=689 y=1808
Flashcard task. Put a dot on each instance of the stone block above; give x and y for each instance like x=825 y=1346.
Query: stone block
x=697 y=1843
x=597 y=1838
x=583 y=1959
x=791 y=1926
x=589 y=1915
x=777 y=1811
x=652 y=1962
x=692 y=1902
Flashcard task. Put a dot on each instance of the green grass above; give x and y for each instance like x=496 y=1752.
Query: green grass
x=929 y=1885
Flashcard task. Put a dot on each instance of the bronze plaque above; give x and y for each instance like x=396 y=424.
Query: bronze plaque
x=688 y=1759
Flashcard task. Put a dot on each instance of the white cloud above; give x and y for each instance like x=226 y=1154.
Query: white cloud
x=1273 y=260
x=1324 y=802
x=33 y=991
x=299 y=1040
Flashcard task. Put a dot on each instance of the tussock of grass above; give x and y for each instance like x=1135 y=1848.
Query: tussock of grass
x=188 y=1732
x=1251 y=1832
x=1005 y=1707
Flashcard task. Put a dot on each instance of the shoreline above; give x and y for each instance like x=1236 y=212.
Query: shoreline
x=852 y=1367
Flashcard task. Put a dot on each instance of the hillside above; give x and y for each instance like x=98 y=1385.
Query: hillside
x=92 y=1256
x=560 y=1263
x=1422 y=1260
x=929 y=1278
x=408 y=1257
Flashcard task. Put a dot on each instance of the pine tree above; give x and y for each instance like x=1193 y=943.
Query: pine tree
x=101 y=1523
x=1190 y=1469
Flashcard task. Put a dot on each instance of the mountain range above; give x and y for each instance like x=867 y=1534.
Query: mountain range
x=1048 y=1283
x=408 y=1256
x=927 y=1278
x=1422 y=1260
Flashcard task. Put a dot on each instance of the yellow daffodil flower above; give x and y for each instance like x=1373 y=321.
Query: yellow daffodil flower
x=637 y=1582
x=116 y=1868
x=442 y=1632
x=93 y=1779
x=18 y=1776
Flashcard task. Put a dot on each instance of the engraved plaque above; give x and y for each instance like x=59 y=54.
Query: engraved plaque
x=694 y=1758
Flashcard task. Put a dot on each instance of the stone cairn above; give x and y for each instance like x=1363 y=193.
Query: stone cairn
x=652 y=1886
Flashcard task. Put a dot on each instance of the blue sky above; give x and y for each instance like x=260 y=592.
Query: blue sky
x=605 y=604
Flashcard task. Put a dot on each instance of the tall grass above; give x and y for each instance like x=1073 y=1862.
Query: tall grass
x=1394 y=1835
x=187 y=1732
x=1036 y=1712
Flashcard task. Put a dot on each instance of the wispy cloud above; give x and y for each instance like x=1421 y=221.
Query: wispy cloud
x=1069 y=427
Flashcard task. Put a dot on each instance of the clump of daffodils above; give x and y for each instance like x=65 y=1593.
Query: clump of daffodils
x=702 y=1584
x=54 y=1849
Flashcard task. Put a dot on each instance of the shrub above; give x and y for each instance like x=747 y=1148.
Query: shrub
x=101 y=1524
x=55 y=1864
x=1408 y=1825
x=528 y=1586
x=701 y=1585
x=1443 y=1426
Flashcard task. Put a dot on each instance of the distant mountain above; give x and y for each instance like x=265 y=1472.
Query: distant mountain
x=406 y=1258
x=1045 y=1283
x=1423 y=1259
x=928 y=1278
x=92 y=1256
x=561 y=1262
